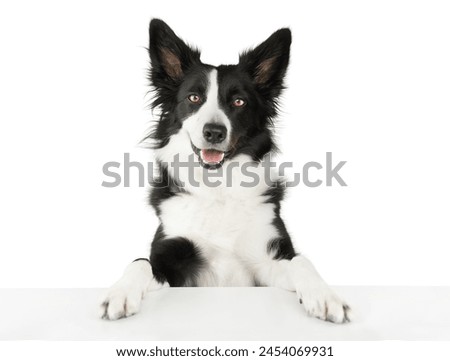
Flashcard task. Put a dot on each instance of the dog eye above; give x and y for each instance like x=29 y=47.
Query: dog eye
x=194 y=98
x=238 y=102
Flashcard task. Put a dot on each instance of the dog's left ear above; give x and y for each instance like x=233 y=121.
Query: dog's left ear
x=267 y=63
x=169 y=55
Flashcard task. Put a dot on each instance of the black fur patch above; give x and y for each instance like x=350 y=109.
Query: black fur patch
x=276 y=192
x=175 y=260
x=281 y=248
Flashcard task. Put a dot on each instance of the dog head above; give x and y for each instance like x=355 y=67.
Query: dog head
x=221 y=111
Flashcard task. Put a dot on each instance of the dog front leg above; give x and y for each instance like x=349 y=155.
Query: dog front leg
x=124 y=298
x=317 y=297
x=299 y=275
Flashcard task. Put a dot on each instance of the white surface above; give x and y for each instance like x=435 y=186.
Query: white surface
x=382 y=313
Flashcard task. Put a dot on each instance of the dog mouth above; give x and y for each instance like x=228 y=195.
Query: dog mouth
x=210 y=158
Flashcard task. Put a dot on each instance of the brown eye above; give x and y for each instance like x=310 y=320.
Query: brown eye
x=194 y=98
x=238 y=102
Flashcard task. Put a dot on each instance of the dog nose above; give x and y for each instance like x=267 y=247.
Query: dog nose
x=214 y=133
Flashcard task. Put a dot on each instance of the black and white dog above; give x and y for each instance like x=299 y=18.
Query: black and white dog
x=227 y=234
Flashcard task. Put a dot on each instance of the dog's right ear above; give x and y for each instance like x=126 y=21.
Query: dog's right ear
x=170 y=57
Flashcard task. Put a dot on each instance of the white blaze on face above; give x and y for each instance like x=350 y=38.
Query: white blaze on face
x=209 y=112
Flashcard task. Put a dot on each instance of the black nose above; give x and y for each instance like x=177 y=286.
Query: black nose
x=214 y=133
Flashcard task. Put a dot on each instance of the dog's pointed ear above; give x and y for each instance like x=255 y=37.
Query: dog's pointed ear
x=267 y=63
x=170 y=57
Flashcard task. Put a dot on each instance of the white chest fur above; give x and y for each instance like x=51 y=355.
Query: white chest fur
x=231 y=232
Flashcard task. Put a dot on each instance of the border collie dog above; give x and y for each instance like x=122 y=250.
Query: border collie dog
x=219 y=118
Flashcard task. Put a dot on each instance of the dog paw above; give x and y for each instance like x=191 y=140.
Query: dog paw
x=120 y=302
x=324 y=304
x=124 y=298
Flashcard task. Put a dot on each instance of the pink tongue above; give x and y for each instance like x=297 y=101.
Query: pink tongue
x=212 y=155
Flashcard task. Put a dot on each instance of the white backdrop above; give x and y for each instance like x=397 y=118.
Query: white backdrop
x=369 y=81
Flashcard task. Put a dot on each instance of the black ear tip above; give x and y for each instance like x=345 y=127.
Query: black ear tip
x=157 y=25
x=155 y=22
x=284 y=35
